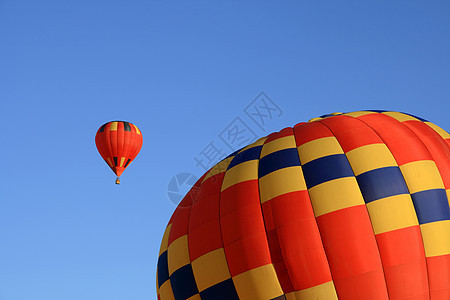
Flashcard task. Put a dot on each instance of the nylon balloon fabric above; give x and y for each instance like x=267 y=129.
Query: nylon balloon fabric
x=118 y=143
x=345 y=206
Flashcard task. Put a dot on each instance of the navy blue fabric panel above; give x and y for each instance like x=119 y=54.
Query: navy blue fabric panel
x=126 y=126
x=329 y=115
x=278 y=160
x=102 y=128
x=378 y=110
x=126 y=164
x=419 y=118
x=183 y=283
x=163 y=268
x=431 y=206
x=249 y=154
x=325 y=169
x=381 y=183
x=224 y=290
x=234 y=153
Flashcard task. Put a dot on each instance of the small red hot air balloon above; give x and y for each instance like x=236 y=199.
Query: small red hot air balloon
x=119 y=143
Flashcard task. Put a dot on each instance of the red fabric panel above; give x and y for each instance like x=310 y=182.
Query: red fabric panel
x=439 y=276
x=306 y=132
x=351 y=132
x=282 y=133
x=180 y=220
x=437 y=146
x=404 y=263
x=299 y=240
x=204 y=225
x=204 y=238
x=352 y=254
x=398 y=138
x=242 y=225
x=247 y=253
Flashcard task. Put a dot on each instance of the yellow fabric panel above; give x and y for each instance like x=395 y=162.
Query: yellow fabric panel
x=359 y=113
x=319 y=148
x=157 y=284
x=392 y=213
x=448 y=196
x=165 y=239
x=280 y=182
x=258 y=142
x=444 y=134
x=178 y=254
x=113 y=126
x=110 y=162
x=421 y=175
x=166 y=291
x=242 y=172
x=436 y=238
x=334 y=195
x=122 y=160
x=399 y=116
x=137 y=129
x=323 y=291
x=278 y=144
x=370 y=157
x=314 y=120
x=258 y=283
x=210 y=269
x=195 y=297
x=219 y=168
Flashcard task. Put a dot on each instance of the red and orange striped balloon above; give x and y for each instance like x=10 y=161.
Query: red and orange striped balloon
x=345 y=206
x=118 y=143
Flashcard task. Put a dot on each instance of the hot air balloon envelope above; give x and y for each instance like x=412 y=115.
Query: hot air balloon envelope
x=118 y=143
x=346 y=206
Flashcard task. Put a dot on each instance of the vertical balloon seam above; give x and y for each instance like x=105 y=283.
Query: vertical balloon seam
x=133 y=144
x=106 y=139
x=194 y=198
x=202 y=180
x=120 y=144
x=220 y=217
x=300 y=154
x=315 y=218
x=391 y=280
x=112 y=140
x=324 y=121
x=127 y=145
x=419 y=140
x=390 y=149
x=176 y=289
x=432 y=127
x=220 y=224
x=440 y=179
x=275 y=169
x=236 y=157
x=262 y=215
x=365 y=200
x=394 y=156
x=194 y=195
x=309 y=197
x=340 y=145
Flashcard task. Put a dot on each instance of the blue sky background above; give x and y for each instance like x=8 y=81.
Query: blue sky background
x=182 y=71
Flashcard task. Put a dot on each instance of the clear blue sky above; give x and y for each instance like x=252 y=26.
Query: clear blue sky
x=182 y=71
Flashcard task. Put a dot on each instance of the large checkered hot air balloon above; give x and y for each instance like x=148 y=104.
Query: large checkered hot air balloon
x=345 y=206
x=118 y=143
